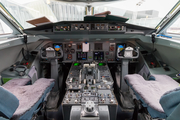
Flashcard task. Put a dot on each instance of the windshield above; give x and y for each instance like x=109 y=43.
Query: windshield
x=146 y=13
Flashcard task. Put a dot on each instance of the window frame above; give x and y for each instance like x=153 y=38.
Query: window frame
x=10 y=23
x=167 y=24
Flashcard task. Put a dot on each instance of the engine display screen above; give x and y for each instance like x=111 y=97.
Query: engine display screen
x=81 y=55
x=98 y=55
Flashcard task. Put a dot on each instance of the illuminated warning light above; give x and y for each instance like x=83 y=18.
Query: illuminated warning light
x=77 y=64
x=102 y=64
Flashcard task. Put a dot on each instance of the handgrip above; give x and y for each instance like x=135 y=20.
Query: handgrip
x=134 y=57
x=55 y=57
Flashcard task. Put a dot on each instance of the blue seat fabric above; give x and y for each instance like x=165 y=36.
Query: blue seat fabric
x=8 y=103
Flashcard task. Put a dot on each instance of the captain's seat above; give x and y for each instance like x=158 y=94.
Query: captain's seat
x=20 y=101
x=161 y=96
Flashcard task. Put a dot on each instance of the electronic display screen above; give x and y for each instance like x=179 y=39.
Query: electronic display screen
x=98 y=55
x=81 y=55
x=57 y=47
x=98 y=46
x=121 y=48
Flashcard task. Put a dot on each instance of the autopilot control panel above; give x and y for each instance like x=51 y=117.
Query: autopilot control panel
x=90 y=27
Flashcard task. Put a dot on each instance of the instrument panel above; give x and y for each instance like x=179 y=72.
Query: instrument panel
x=89 y=51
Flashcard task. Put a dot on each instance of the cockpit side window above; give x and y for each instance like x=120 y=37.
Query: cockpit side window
x=4 y=28
x=174 y=28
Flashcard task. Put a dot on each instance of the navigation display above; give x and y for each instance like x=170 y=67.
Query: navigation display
x=81 y=55
x=98 y=55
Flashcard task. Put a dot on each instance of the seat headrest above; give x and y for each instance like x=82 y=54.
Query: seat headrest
x=8 y=103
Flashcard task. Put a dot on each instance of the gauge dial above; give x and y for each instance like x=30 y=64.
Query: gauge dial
x=111 y=48
x=69 y=45
x=66 y=50
x=69 y=56
x=72 y=50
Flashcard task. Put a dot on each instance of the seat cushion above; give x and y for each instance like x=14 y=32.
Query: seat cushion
x=29 y=96
x=150 y=92
x=16 y=83
x=8 y=103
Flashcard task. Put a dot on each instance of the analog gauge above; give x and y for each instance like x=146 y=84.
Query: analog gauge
x=66 y=50
x=72 y=50
x=69 y=56
x=69 y=45
x=59 y=54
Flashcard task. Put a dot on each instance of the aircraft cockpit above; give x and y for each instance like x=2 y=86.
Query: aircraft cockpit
x=89 y=60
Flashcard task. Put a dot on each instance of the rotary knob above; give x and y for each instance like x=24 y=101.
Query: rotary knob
x=99 y=86
x=103 y=100
x=70 y=80
x=77 y=95
x=102 y=95
x=76 y=101
x=108 y=86
x=69 y=95
x=67 y=100
x=84 y=81
x=70 y=87
x=80 y=86
x=94 y=81
x=111 y=100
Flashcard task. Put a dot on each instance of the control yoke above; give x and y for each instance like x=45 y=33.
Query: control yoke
x=128 y=53
x=49 y=53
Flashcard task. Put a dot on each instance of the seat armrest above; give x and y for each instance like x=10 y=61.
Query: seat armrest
x=8 y=103
x=175 y=114
x=170 y=100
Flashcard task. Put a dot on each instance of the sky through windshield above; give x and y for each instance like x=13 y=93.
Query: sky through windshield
x=146 y=13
